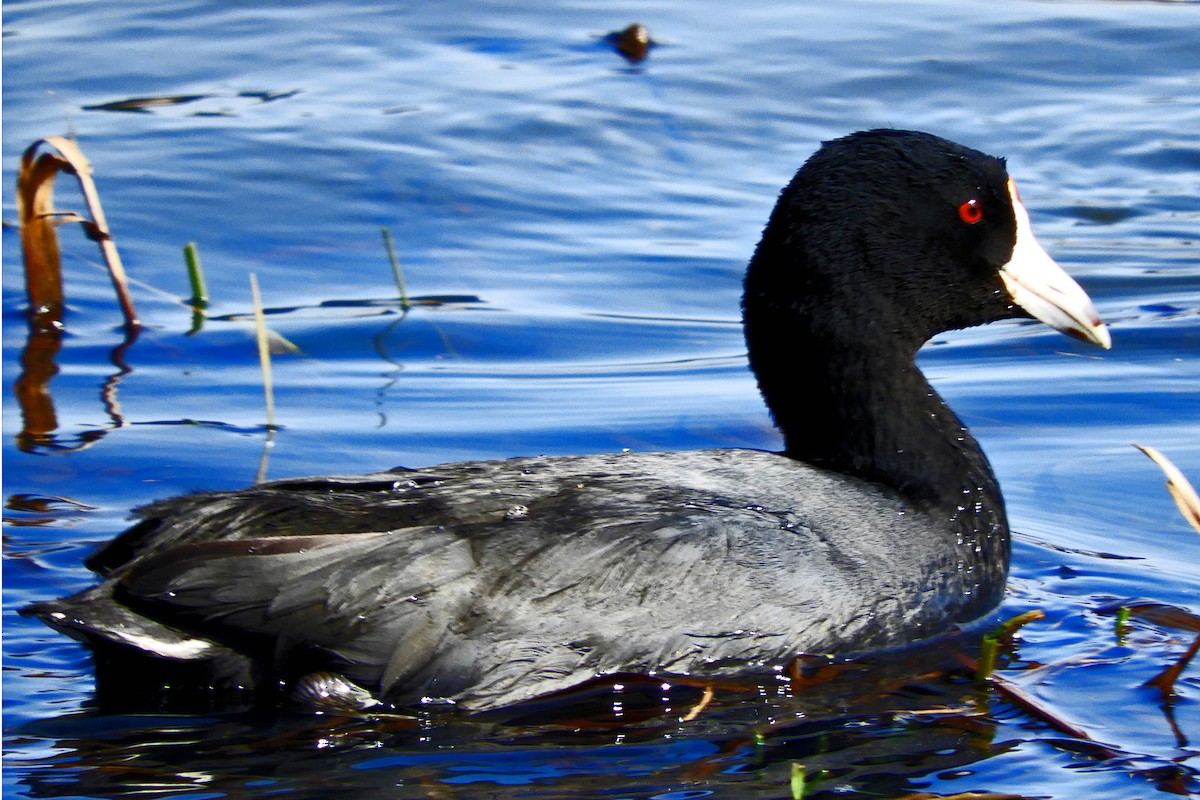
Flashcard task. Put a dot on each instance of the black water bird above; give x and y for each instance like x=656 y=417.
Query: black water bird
x=489 y=583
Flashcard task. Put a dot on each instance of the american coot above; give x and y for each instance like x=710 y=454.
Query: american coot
x=488 y=583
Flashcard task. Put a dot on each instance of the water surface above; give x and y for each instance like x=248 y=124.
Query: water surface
x=600 y=214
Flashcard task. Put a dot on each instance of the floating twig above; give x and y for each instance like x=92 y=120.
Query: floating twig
x=1015 y=695
x=1165 y=680
x=1021 y=699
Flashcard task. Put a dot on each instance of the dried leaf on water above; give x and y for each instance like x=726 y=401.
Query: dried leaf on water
x=39 y=237
x=1181 y=490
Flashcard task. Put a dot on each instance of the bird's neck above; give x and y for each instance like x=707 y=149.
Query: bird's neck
x=853 y=401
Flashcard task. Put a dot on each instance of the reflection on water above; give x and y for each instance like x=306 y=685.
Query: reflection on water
x=883 y=728
x=38 y=366
x=32 y=391
x=579 y=226
x=903 y=727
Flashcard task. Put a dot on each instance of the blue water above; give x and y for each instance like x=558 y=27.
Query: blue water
x=601 y=214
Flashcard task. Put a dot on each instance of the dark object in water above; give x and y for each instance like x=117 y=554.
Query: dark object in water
x=633 y=42
x=490 y=583
x=144 y=104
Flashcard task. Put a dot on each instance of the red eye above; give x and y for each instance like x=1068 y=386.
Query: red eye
x=970 y=212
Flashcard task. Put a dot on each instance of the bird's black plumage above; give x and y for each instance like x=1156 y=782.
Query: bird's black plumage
x=489 y=583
